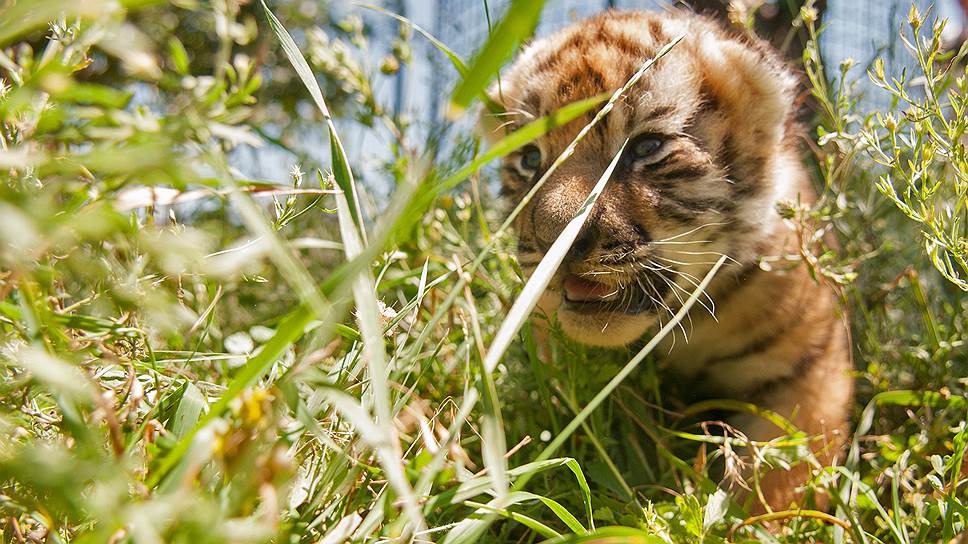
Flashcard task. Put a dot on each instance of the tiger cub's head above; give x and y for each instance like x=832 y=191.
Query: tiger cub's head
x=707 y=157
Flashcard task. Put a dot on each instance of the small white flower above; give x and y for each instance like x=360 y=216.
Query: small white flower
x=297 y=175
x=239 y=343
x=261 y=334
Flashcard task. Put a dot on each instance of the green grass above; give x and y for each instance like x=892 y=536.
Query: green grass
x=294 y=362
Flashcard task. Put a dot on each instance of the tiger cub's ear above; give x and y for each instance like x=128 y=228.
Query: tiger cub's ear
x=491 y=125
x=749 y=85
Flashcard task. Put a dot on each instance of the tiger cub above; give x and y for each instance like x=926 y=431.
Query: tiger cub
x=711 y=151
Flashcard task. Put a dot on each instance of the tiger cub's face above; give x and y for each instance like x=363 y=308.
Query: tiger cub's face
x=697 y=178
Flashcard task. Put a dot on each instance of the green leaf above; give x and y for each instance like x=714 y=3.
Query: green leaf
x=715 y=510
x=179 y=56
x=465 y=527
x=189 y=410
x=610 y=535
x=22 y=16
x=168 y=405
x=483 y=484
x=94 y=94
x=517 y=25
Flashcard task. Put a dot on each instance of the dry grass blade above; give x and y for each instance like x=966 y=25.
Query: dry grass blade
x=788 y=514
x=374 y=352
x=545 y=271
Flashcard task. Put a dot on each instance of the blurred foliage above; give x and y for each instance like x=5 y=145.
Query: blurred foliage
x=178 y=362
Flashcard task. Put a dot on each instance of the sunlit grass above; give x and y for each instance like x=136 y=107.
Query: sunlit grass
x=191 y=356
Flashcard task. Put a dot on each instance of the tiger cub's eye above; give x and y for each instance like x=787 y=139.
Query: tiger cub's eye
x=646 y=146
x=531 y=158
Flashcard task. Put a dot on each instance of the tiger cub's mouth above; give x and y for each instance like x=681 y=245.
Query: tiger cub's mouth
x=578 y=289
x=636 y=295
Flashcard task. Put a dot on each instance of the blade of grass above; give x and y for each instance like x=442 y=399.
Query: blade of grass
x=518 y=24
x=788 y=514
x=341 y=171
x=482 y=484
x=374 y=351
x=190 y=408
x=527 y=521
x=610 y=535
x=556 y=508
x=494 y=447
x=603 y=453
x=573 y=425
x=740 y=406
x=493 y=441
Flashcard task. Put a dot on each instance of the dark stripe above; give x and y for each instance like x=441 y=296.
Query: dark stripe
x=576 y=40
x=532 y=100
x=656 y=114
x=618 y=41
x=727 y=154
x=701 y=205
x=749 y=178
x=546 y=64
x=627 y=46
x=655 y=30
x=564 y=89
x=683 y=171
x=670 y=210
x=681 y=207
x=511 y=172
x=596 y=77
x=801 y=367
x=765 y=342
x=760 y=344
x=631 y=120
x=673 y=156
x=746 y=173
x=661 y=111
x=506 y=191
x=708 y=102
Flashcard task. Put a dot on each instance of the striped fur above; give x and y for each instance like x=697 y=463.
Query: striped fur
x=722 y=107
